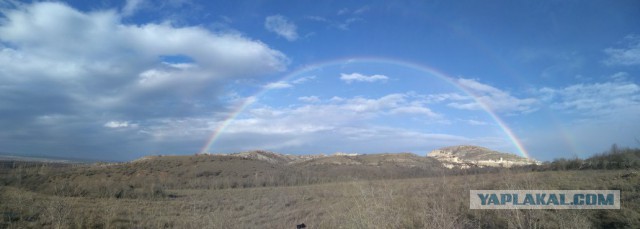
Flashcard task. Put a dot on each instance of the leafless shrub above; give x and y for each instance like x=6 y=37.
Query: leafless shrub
x=58 y=212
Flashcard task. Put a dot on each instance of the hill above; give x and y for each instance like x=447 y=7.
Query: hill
x=467 y=156
x=266 y=189
x=149 y=175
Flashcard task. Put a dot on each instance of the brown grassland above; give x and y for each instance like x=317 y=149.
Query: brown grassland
x=46 y=196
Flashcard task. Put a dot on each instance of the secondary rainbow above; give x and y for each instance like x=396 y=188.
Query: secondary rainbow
x=373 y=60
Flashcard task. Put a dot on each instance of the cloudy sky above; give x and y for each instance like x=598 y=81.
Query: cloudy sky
x=117 y=80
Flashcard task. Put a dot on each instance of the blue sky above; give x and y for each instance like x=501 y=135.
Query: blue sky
x=117 y=80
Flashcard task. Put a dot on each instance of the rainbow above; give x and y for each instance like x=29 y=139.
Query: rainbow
x=373 y=60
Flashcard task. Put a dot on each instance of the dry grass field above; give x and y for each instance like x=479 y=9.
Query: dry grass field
x=439 y=201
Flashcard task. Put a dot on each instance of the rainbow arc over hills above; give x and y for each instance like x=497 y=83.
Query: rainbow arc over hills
x=219 y=130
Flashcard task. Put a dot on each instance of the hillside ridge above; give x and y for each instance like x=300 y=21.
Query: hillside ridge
x=466 y=156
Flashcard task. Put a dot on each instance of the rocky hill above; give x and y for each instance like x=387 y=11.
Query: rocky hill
x=466 y=156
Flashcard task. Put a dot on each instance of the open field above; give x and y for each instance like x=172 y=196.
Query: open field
x=432 y=202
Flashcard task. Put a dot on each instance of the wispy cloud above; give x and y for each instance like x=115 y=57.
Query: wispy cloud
x=353 y=17
x=281 y=26
x=415 y=110
x=131 y=6
x=357 y=77
x=119 y=124
x=309 y=99
x=303 y=79
x=278 y=85
x=343 y=11
x=361 y=10
x=476 y=122
x=345 y=18
x=345 y=25
x=595 y=99
x=317 y=18
x=342 y=111
x=288 y=84
x=628 y=55
x=341 y=124
x=496 y=99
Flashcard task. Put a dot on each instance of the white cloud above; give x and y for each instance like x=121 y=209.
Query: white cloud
x=438 y=98
x=91 y=67
x=345 y=25
x=595 y=99
x=629 y=55
x=303 y=79
x=278 y=85
x=494 y=98
x=50 y=44
x=353 y=17
x=360 y=104
x=288 y=84
x=344 y=124
x=116 y=124
x=415 y=110
x=362 y=10
x=295 y=132
x=319 y=115
x=476 y=122
x=317 y=18
x=357 y=77
x=281 y=26
x=471 y=105
x=131 y=6
x=344 y=20
x=620 y=76
x=345 y=111
x=309 y=99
